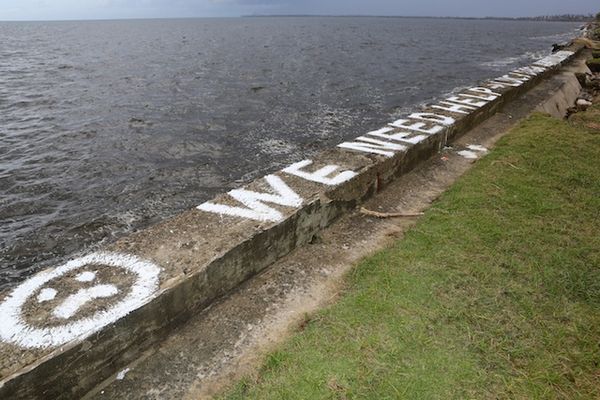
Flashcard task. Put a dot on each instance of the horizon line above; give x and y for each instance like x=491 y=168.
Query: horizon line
x=309 y=16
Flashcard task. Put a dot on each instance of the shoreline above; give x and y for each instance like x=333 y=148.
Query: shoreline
x=188 y=261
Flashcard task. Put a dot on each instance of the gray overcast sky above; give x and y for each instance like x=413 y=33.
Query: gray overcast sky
x=94 y=9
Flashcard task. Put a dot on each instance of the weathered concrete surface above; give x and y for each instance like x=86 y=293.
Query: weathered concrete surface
x=204 y=253
x=560 y=100
x=229 y=339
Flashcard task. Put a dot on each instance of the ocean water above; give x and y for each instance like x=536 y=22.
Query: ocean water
x=109 y=126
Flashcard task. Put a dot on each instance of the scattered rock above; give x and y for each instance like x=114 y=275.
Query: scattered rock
x=594 y=83
x=583 y=78
x=583 y=104
x=571 y=111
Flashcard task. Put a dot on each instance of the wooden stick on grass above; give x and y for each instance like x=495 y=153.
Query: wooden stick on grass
x=388 y=215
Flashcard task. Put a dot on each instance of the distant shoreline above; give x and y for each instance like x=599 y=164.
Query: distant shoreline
x=558 y=18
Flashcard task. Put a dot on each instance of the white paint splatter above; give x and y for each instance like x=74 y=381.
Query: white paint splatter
x=484 y=90
x=476 y=147
x=46 y=294
x=121 y=374
x=74 y=302
x=468 y=154
x=554 y=59
x=510 y=81
x=256 y=209
x=373 y=146
x=322 y=175
x=498 y=85
x=87 y=276
x=532 y=70
x=381 y=131
x=454 y=108
x=432 y=117
x=434 y=124
x=479 y=97
x=417 y=126
x=465 y=100
x=14 y=329
x=404 y=137
x=474 y=151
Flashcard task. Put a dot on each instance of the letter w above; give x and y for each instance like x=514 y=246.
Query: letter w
x=255 y=208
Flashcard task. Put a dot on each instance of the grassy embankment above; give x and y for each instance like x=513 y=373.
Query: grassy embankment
x=494 y=294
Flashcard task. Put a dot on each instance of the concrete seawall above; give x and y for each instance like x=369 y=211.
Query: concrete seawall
x=66 y=329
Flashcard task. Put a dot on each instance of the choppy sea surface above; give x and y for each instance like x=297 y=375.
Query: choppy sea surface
x=109 y=126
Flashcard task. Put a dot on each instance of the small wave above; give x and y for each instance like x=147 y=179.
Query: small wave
x=503 y=62
x=556 y=37
x=510 y=61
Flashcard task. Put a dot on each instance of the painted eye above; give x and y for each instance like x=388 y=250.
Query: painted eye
x=87 y=276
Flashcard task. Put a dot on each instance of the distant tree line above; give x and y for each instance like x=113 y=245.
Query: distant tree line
x=564 y=17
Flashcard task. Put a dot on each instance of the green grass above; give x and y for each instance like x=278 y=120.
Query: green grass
x=495 y=294
x=589 y=120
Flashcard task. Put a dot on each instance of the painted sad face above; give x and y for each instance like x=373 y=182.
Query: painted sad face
x=76 y=299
